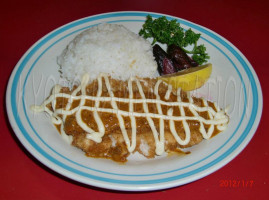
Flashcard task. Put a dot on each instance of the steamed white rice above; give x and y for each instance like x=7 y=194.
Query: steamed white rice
x=107 y=48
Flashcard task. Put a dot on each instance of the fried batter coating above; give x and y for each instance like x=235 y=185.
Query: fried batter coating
x=113 y=144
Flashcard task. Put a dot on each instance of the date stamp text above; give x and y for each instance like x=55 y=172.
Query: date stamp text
x=236 y=183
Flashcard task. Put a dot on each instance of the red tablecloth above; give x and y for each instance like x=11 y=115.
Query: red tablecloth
x=244 y=23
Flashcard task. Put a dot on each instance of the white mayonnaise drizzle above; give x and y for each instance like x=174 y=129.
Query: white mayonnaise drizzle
x=218 y=118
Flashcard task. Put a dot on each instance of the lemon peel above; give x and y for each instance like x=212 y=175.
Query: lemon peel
x=189 y=79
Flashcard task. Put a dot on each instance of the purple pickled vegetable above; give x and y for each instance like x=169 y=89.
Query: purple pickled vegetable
x=165 y=63
x=168 y=66
x=180 y=57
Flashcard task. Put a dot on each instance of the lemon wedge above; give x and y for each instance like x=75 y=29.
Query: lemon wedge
x=189 y=79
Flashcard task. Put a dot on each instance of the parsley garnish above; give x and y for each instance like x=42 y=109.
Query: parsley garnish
x=170 y=32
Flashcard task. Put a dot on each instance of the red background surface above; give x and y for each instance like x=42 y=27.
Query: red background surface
x=244 y=23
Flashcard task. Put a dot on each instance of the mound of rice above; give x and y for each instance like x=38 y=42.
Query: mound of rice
x=107 y=48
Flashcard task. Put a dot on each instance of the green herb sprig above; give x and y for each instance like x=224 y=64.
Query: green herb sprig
x=170 y=32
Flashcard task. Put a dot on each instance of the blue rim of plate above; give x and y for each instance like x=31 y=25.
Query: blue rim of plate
x=106 y=16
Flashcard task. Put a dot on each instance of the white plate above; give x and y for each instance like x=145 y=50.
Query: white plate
x=233 y=83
